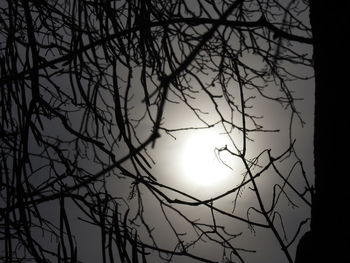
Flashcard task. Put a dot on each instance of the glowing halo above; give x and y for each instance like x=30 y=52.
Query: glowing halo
x=201 y=165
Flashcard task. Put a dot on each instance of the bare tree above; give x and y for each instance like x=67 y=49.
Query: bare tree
x=86 y=92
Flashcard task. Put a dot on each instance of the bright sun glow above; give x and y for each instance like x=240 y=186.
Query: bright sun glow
x=200 y=163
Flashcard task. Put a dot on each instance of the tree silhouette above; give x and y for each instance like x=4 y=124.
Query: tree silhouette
x=86 y=93
x=322 y=241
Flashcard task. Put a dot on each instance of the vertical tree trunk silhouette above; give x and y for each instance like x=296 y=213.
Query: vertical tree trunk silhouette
x=330 y=33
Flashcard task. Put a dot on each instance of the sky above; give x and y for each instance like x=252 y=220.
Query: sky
x=196 y=159
x=171 y=168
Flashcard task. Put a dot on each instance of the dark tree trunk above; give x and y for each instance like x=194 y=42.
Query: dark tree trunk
x=327 y=240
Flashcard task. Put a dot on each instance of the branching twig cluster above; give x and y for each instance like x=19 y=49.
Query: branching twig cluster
x=84 y=89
